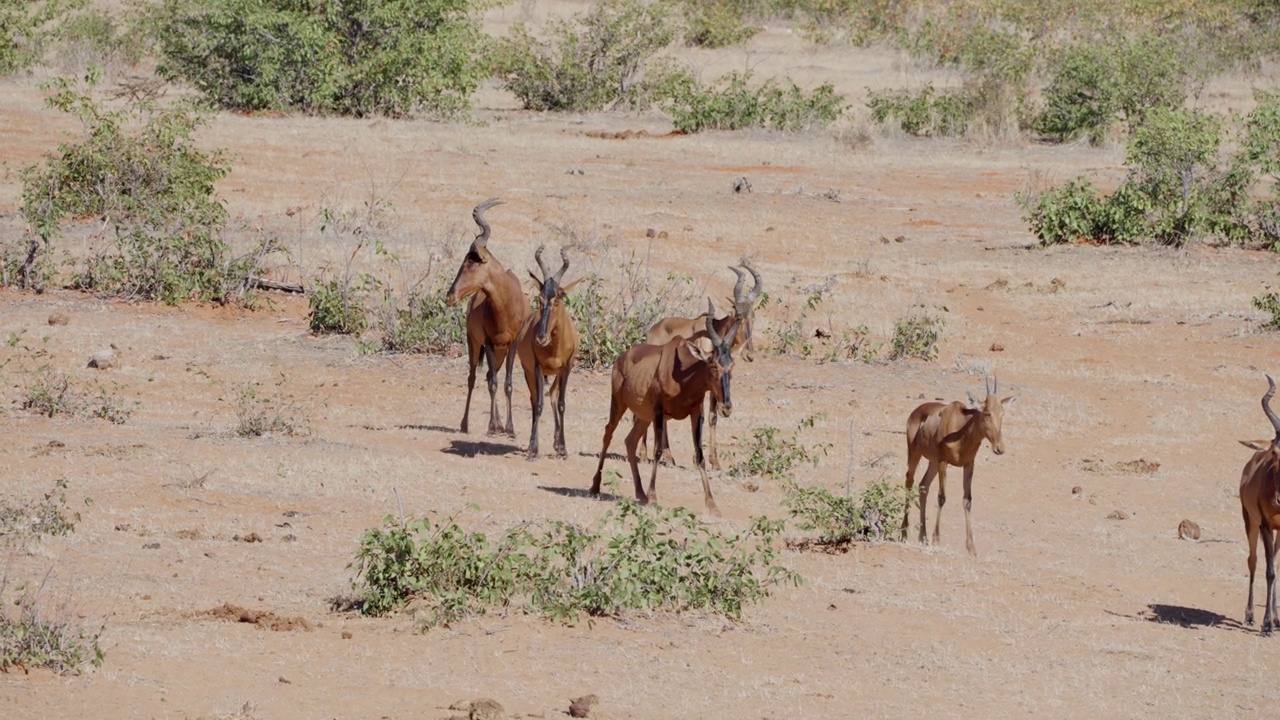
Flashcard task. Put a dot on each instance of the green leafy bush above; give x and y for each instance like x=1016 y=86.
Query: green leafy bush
x=587 y=62
x=362 y=57
x=32 y=520
x=36 y=634
x=927 y=112
x=154 y=188
x=1269 y=302
x=26 y=28
x=337 y=307
x=733 y=105
x=421 y=321
x=275 y=413
x=771 y=456
x=636 y=559
x=874 y=514
x=916 y=336
x=716 y=23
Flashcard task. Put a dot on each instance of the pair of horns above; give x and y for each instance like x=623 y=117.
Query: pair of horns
x=711 y=328
x=478 y=215
x=546 y=273
x=756 y=288
x=1266 y=407
x=993 y=385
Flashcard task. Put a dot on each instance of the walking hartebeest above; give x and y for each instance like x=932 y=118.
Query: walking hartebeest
x=548 y=347
x=1260 y=505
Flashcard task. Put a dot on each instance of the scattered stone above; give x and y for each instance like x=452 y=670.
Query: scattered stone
x=151 y=546
x=123 y=527
x=581 y=707
x=741 y=185
x=261 y=618
x=900 y=238
x=289 y=538
x=650 y=233
x=59 y=318
x=105 y=358
x=1118 y=515
x=575 y=171
x=997 y=347
x=346 y=635
x=482 y=709
x=252 y=537
x=1141 y=466
x=1188 y=530
x=999 y=284
x=1077 y=491
x=285 y=681
x=1055 y=285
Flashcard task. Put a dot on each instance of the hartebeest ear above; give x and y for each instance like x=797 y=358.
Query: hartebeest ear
x=1009 y=401
x=973 y=402
x=1256 y=444
x=536 y=282
x=566 y=289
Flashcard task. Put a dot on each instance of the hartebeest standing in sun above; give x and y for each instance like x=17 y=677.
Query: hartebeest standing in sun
x=741 y=315
x=548 y=347
x=951 y=434
x=498 y=308
x=1260 y=504
x=660 y=382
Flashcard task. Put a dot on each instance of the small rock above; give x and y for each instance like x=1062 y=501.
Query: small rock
x=997 y=347
x=105 y=358
x=650 y=233
x=151 y=546
x=1118 y=515
x=485 y=709
x=900 y=238
x=998 y=284
x=1188 y=530
x=252 y=537
x=59 y=318
x=1077 y=490
x=346 y=634
x=581 y=707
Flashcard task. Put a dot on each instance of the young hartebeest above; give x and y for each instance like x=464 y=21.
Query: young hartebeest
x=1260 y=505
x=548 y=347
x=741 y=314
x=951 y=434
x=498 y=308
x=657 y=382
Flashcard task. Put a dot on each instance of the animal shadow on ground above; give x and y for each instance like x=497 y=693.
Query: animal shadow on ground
x=472 y=448
x=1187 y=617
x=579 y=492
x=428 y=428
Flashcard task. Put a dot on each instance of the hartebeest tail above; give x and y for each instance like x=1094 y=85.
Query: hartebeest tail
x=741 y=315
x=1260 y=505
x=951 y=434
x=548 y=346
x=498 y=308
x=657 y=382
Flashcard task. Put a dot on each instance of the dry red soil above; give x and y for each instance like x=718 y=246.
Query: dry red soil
x=1136 y=371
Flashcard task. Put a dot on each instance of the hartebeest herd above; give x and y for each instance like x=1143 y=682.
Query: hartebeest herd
x=684 y=360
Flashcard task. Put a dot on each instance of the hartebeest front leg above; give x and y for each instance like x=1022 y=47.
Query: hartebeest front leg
x=491 y=379
x=1269 y=619
x=912 y=462
x=473 y=357
x=659 y=441
x=968 y=503
x=715 y=455
x=1251 y=535
x=510 y=354
x=929 y=473
x=695 y=422
x=562 y=389
x=942 y=497
x=539 y=387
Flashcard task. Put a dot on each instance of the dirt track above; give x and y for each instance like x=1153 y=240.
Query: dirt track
x=1137 y=369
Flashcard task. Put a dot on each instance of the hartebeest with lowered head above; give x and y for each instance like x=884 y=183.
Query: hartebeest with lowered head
x=657 y=382
x=548 y=347
x=1260 y=505
x=741 y=315
x=498 y=308
x=951 y=434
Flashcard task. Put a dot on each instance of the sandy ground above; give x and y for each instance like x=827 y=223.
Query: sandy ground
x=1136 y=371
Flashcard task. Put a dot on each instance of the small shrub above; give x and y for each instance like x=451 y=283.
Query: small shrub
x=334 y=307
x=852 y=344
x=26 y=29
x=421 y=322
x=587 y=62
x=1269 y=302
x=794 y=338
x=734 y=105
x=916 y=336
x=773 y=457
x=874 y=514
x=52 y=393
x=98 y=37
x=635 y=559
x=927 y=112
x=716 y=24
x=33 y=520
x=34 y=634
x=276 y=413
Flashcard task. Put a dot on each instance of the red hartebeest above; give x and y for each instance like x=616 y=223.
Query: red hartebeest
x=498 y=308
x=951 y=434
x=657 y=382
x=548 y=347
x=1260 y=505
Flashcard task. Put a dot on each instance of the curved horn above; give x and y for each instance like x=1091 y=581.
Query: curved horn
x=542 y=264
x=1266 y=406
x=564 y=256
x=987 y=380
x=737 y=287
x=757 y=286
x=715 y=336
x=478 y=215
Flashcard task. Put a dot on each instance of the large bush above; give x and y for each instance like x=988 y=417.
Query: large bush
x=734 y=104
x=25 y=29
x=137 y=170
x=360 y=57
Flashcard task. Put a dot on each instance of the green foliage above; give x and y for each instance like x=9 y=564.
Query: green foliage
x=874 y=514
x=1077 y=211
x=916 y=336
x=793 y=338
x=100 y=37
x=1269 y=302
x=716 y=23
x=362 y=57
x=36 y=634
x=32 y=520
x=1098 y=84
x=26 y=27
x=927 y=112
x=422 y=322
x=51 y=393
x=635 y=559
x=771 y=456
x=609 y=323
x=155 y=189
x=734 y=105
x=275 y=413
x=586 y=62
x=336 y=307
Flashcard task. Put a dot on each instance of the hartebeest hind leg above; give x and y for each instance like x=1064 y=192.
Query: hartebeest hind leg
x=562 y=389
x=638 y=429
x=536 y=390
x=473 y=357
x=491 y=380
x=1269 y=618
x=510 y=356
x=929 y=473
x=616 y=411
x=942 y=497
x=1251 y=533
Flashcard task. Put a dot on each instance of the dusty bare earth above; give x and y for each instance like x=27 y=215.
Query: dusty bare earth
x=1137 y=369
